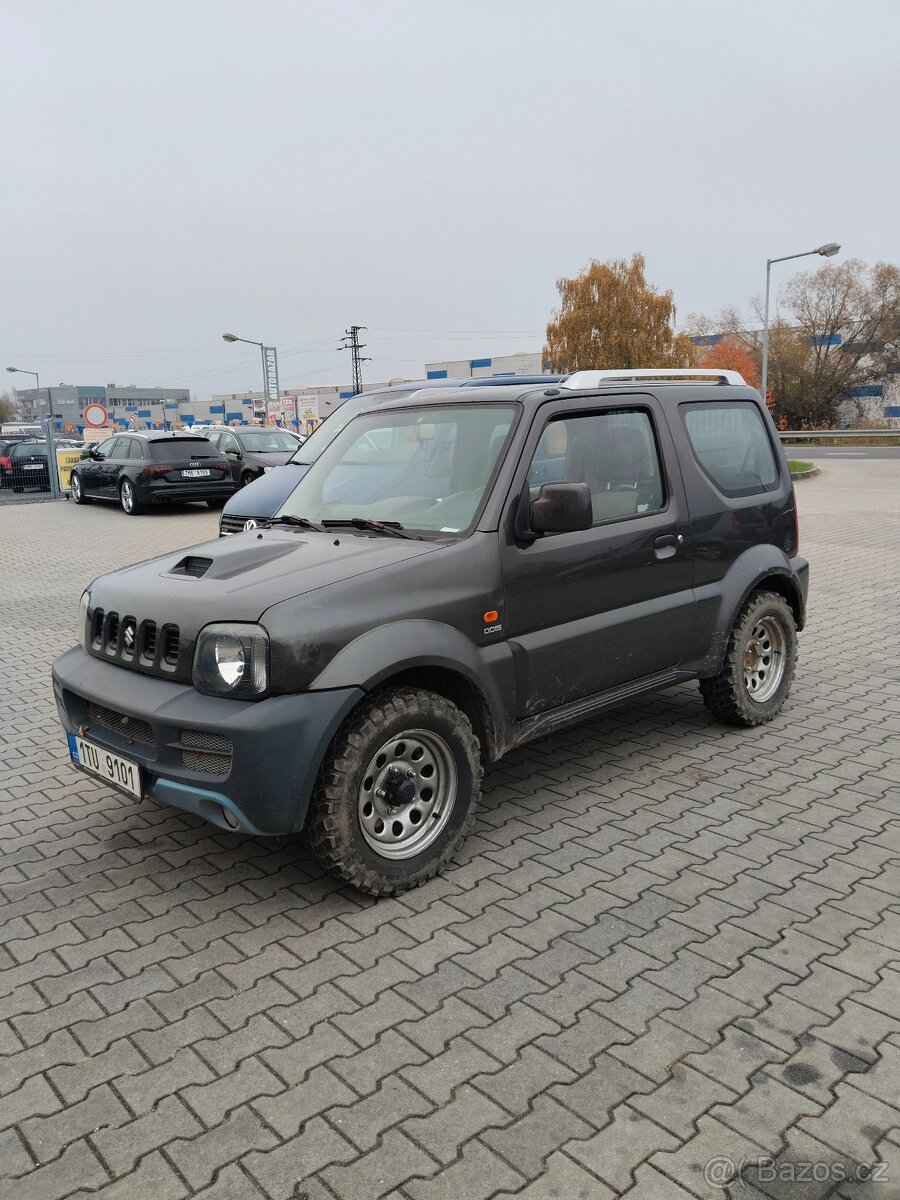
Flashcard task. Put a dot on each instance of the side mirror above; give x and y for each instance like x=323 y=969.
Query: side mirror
x=562 y=508
x=92 y=452
x=234 y=454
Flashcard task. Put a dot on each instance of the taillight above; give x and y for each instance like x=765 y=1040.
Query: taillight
x=158 y=469
x=224 y=465
x=6 y=464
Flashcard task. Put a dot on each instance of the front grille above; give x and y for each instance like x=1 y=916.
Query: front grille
x=171 y=642
x=198 y=740
x=131 y=642
x=206 y=764
x=232 y=524
x=130 y=727
x=207 y=753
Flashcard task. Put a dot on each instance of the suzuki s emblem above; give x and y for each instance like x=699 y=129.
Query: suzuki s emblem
x=129 y=638
x=251 y=524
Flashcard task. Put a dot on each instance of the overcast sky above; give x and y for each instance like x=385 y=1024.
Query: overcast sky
x=284 y=168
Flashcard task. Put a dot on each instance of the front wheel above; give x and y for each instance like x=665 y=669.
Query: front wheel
x=78 y=495
x=130 y=503
x=397 y=791
x=246 y=479
x=759 y=663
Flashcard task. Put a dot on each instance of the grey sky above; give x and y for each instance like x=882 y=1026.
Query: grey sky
x=282 y=169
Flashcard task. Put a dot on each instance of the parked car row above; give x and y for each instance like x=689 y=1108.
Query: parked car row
x=23 y=461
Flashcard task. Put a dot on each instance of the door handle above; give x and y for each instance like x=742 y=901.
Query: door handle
x=666 y=545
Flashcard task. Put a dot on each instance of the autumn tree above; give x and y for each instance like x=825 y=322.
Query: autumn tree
x=849 y=315
x=609 y=316
x=731 y=353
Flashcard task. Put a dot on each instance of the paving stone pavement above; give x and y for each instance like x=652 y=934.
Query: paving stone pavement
x=669 y=949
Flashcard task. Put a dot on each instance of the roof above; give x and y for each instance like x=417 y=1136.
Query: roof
x=679 y=389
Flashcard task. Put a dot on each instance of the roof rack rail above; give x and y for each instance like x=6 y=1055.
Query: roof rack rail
x=590 y=379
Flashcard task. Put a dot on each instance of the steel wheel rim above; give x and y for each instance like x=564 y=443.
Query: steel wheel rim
x=764 y=659
x=76 y=488
x=127 y=497
x=407 y=794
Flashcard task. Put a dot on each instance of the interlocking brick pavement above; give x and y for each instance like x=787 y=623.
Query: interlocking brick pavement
x=666 y=941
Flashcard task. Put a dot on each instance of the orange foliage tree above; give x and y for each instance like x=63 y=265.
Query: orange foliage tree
x=730 y=354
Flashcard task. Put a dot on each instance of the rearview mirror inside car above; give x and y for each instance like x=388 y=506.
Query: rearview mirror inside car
x=562 y=508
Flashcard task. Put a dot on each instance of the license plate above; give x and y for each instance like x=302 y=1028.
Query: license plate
x=195 y=474
x=105 y=765
x=33 y=467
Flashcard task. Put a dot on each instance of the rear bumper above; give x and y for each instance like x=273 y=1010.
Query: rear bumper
x=276 y=744
x=180 y=492
x=800 y=568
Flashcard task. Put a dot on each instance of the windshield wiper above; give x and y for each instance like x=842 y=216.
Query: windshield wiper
x=288 y=519
x=390 y=528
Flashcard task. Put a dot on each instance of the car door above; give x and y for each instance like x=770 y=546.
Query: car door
x=111 y=467
x=592 y=610
x=90 y=467
x=231 y=449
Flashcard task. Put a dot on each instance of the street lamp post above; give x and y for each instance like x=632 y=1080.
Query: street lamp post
x=827 y=251
x=52 y=475
x=269 y=364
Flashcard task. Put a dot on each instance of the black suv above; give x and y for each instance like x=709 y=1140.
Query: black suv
x=138 y=470
x=511 y=561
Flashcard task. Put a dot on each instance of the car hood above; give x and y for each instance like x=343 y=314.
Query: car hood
x=238 y=578
x=264 y=496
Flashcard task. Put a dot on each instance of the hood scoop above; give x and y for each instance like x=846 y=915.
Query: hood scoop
x=233 y=556
x=193 y=566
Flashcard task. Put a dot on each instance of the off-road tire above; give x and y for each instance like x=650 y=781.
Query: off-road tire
x=333 y=825
x=726 y=695
x=77 y=489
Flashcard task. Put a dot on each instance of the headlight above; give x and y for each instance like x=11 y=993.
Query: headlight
x=232 y=660
x=84 y=605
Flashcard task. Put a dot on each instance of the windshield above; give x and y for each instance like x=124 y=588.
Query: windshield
x=268 y=441
x=422 y=468
x=325 y=434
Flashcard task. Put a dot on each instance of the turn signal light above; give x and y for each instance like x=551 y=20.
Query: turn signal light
x=491 y=616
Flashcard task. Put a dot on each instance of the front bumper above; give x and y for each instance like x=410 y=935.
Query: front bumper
x=277 y=744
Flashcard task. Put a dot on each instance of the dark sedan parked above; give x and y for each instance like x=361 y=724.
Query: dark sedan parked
x=7 y=443
x=28 y=466
x=141 y=469
x=253 y=451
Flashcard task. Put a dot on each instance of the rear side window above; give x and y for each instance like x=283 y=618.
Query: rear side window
x=732 y=446
x=182 y=449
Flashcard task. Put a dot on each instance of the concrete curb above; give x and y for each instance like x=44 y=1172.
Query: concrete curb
x=798 y=475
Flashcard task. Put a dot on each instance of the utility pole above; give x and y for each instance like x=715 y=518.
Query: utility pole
x=351 y=342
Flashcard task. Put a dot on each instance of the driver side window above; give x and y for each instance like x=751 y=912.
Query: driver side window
x=613 y=452
x=104 y=450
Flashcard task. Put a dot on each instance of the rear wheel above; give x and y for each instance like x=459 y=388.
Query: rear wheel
x=78 y=495
x=759 y=663
x=129 y=501
x=397 y=791
x=246 y=478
